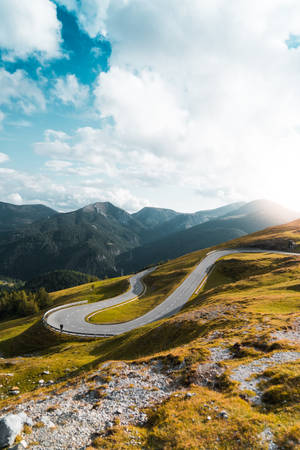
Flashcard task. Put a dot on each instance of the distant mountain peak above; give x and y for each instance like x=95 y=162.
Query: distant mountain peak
x=13 y=217
x=150 y=216
x=100 y=207
x=153 y=208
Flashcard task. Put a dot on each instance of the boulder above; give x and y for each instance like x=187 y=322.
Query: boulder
x=10 y=426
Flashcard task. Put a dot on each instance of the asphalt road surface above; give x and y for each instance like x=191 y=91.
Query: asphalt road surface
x=73 y=318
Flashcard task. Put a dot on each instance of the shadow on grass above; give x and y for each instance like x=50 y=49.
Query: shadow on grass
x=36 y=338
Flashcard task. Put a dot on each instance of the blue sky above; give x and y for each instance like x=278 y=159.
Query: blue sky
x=84 y=58
x=144 y=103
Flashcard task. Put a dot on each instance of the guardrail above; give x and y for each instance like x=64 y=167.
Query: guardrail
x=69 y=305
x=52 y=328
x=73 y=333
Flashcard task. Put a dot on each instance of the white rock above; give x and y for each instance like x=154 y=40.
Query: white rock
x=10 y=426
x=47 y=422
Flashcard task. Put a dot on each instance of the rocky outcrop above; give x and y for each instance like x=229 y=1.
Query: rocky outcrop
x=10 y=426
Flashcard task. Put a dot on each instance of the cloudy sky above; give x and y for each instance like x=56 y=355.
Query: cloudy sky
x=185 y=104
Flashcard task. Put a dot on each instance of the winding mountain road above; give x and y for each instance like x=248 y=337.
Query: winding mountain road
x=73 y=317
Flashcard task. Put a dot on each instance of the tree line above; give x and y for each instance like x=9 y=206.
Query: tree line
x=59 y=279
x=21 y=299
x=22 y=303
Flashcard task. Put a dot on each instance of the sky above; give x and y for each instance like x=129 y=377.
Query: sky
x=182 y=104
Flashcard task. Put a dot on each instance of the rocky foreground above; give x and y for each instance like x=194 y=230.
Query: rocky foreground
x=72 y=415
x=69 y=418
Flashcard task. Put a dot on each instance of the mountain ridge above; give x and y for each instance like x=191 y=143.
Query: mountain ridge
x=13 y=216
x=104 y=240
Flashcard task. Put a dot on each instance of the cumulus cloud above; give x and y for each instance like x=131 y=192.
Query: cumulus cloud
x=29 y=27
x=91 y=14
x=145 y=111
x=70 y=91
x=202 y=98
x=93 y=151
x=66 y=196
x=17 y=90
x=223 y=75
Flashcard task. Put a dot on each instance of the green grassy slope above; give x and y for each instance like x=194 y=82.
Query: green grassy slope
x=273 y=237
x=93 y=292
x=247 y=308
x=248 y=219
x=246 y=299
x=159 y=284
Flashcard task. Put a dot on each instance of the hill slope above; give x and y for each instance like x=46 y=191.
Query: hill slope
x=151 y=217
x=13 y=217
x=223 y=373
x=249 y=218
x=182 y=222
x=86 y=240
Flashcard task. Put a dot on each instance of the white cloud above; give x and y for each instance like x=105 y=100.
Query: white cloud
x=221 y=73
x=3 y=158
x=201 y=99
x=144 y=108
x=20 y=123
x=15 y=198
x=71 y=5
x=29 y=27
x=70 y=91
x=17 y=90
x=91 y=14
x=58 y=165
x=66 y=196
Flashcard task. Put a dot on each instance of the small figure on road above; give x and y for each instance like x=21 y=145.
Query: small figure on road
x=61 y=327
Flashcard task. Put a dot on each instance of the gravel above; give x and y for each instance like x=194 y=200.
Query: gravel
x=257 y=367
x=267 y=437
x=219 y=353
x=291 y=335
x=77 y=413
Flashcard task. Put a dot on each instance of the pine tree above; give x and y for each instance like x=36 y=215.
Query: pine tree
x=42 y=298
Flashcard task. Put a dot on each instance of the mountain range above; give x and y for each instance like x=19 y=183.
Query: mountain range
x=104 y=240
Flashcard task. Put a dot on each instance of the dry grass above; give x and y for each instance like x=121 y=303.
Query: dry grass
x=246 y=299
